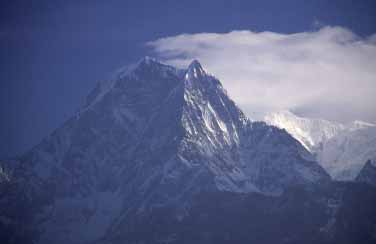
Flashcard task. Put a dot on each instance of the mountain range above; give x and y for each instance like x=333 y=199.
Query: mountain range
x=163 y=155
x=342 y=149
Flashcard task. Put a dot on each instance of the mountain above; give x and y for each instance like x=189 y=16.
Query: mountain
x=341 y=149
x=309 y=132
x=154 y=136
x=320 y=215
x=368 y=173
x=345 y=154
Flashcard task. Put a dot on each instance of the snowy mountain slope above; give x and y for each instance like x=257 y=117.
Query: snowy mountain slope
x=309 y=132
x=341 y=149
x=154 y=136
x=80 y=163
x=344 y=155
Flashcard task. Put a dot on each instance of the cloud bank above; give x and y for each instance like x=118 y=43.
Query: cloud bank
x=329 y=73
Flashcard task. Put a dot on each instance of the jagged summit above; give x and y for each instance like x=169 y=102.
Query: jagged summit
x=148 y=60
x=149 y=70
x=195 y=70
x=195 y=66
x=144 y=63
x=148 y=63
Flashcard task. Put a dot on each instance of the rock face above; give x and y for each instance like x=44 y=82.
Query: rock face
x=368 y=173
x=155 y=136
x=318 y=215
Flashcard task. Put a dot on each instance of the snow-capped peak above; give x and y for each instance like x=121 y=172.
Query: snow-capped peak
x=149 y=60
x=195 y=64
x=195 y=70
x=129 y=68
x=309 y=132
x=341 y=149
x=312 y=131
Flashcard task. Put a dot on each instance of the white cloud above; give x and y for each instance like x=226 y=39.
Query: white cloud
x=329 y=73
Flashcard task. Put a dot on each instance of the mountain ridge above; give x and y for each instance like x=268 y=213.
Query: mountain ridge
x=155 y=137
x=342 y=149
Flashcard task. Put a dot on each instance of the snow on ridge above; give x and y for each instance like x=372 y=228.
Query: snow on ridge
x=345 y=154
x=309 y=132
x=342 y=149
x=359 y=124
x=105 y=86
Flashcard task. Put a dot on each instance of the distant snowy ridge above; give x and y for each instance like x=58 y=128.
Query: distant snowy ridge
x=344 y=155
x=309 y=132
x=342 y=149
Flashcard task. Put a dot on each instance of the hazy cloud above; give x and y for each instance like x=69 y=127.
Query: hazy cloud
x=329 y=73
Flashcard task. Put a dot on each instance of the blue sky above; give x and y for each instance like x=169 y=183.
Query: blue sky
x=53 y=52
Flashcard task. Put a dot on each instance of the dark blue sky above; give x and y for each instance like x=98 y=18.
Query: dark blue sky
x=53 y=52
